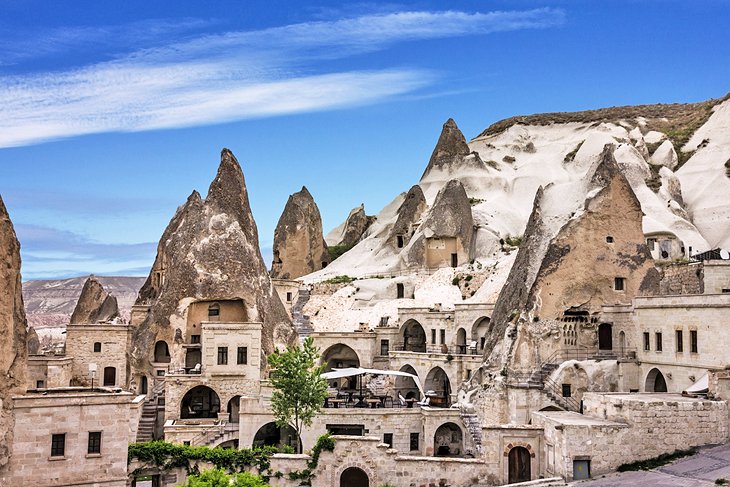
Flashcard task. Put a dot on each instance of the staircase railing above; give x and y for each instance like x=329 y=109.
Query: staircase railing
x=208 y=435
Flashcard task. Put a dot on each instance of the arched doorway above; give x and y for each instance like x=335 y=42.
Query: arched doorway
x=448 y=441
x=655 y=381
x=605 y=336
x=461 y=341
x=354 y=477
x=200 y=402
x=233 y=407
x=271 y=435
x=162 y=352
x=480 y=330
x=622 y=343
x=438 y=387
x=519 y=465
x=406 y=386
x=340 y=356
x=414 y=337
x=110 y=376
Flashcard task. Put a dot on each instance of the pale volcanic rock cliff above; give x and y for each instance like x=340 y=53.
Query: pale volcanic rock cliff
x=13 y=352
x=351 y=231
x=299 y=246
x=409 y=213
x=209 y=251
x=94 y=304
x=568 y=263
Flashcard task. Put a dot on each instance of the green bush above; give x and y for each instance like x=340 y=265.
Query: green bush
x=340 y=280
x=218 y=478
x=513 y=241
x=655 y=462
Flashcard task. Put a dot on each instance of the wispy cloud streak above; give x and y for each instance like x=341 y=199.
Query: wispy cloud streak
x=235 y=76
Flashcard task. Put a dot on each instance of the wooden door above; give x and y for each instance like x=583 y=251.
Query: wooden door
x=519 y=465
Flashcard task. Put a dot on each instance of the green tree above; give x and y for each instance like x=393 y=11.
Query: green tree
x=299 y=389
x=217 y=477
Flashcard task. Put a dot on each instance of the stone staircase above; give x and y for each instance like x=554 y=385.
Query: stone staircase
x=301 y=321
x=474 y=427
x=146 y=428
x=216 y=435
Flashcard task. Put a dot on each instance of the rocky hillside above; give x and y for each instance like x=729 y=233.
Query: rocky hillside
x=51 y=302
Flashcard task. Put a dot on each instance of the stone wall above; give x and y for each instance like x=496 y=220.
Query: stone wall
x=80 y=341
x=74 y=412
x=717 y=276
x=52 y=370
x=624 y=428
x=681 y=279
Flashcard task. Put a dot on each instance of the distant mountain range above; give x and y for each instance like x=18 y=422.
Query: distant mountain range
x=49 y=303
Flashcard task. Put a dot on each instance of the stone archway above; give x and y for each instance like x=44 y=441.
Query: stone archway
x=200 y=402
x=655 y=381
x=519 y=465
x=414 y=336
x=340 y=356
x=448 y=441
x=438 y=384
x=233 y=409
x=461 y=344
x=480 y=331
x=272 y=435
x=406 y=386
x=354 y=477
x=162 y=352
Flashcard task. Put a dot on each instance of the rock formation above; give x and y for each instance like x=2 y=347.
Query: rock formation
x=94 y=304
x=450 y=217
x=33 y=342
x=352 y=230
x=13 y=351
x=409 y=213
x=299 y=247
x=568 y=264
x=451 y=147
x=209 y=251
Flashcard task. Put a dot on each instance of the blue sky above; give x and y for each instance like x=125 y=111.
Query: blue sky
x=111 y=113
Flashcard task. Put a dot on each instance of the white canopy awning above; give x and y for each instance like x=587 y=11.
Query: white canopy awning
x=700 y=386
x=354 y=371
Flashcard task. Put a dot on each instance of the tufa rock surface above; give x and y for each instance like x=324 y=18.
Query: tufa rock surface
x=299 y=246
x=450 y=216
x=409 y=213
x=209 y=251
x=355 y=227
x=573 y=269
x=13 y=348
x=95 y=304
x=33 y=342
x=451 y=147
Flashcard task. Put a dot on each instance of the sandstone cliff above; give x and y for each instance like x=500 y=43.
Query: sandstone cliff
x=299 y=246
x=209 y=251
x=409 y=213
x=13 y=352
x=94 y=304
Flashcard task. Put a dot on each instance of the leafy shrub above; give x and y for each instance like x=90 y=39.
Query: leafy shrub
x=655 y=462
x=513 y=241
x=340 y=280
x=218 y=478
x=337 y=250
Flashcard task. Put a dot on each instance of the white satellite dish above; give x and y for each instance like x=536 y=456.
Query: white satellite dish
x=724 y=254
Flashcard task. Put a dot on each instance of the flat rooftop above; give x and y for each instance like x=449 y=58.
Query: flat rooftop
x=569 y=418
x=648 y=397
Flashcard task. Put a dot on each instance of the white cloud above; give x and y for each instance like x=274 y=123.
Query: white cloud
x=234 y=76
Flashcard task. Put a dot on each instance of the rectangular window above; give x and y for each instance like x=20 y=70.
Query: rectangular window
x=40 y=384
x=399 y=291
x=58 y=445
x=414 y=442
x=194 y=338
x=566 y=390
x=433 y=337
x=399 y=241
x=443 y=337
x=693 y=341
x=619 y=283
x=658 y=341
x=94 y=442
x=680 y=341
x=647 y=341
x=288 y=297
x=97 y=347
x=388 y=439
x=242 y=356
x=222 y=355
x=384 y=347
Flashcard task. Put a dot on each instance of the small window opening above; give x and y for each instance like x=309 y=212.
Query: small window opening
x=658 y=337
x=414 y=442
x=647 y=341
x=566 y=390
x=609 y=239
x=399 y=240
x=97 y=347
x=388 y=439
x=679 y=341
x=693 y=341
x=58 y=445
x=619 y=283
x=222 y=355
x=242 y=356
